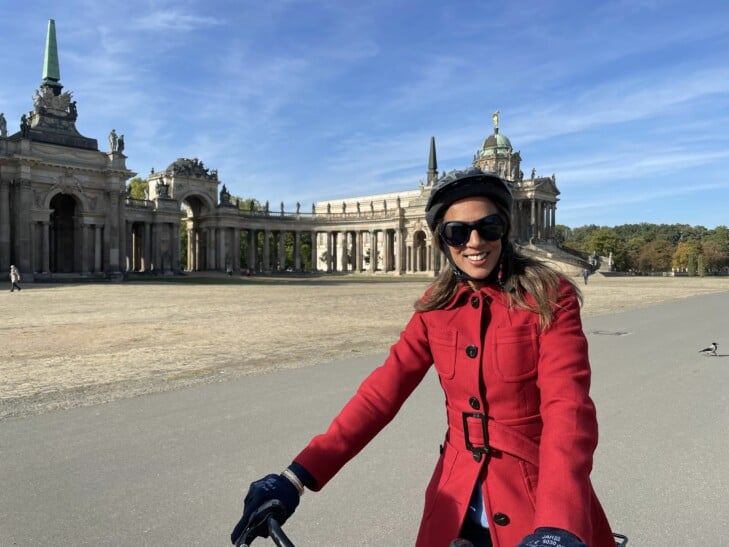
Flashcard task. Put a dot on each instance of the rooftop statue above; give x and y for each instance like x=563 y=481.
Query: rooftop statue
x=113 y=141
x=191 y=168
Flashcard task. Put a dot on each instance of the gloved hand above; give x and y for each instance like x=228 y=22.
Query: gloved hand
x=274 y=492
x=551 y=537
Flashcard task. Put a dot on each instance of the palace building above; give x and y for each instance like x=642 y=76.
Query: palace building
x=65 y=211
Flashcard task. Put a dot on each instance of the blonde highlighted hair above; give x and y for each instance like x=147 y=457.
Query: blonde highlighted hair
x=528 y=284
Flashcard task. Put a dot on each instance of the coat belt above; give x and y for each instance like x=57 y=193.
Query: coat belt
x=499 y=436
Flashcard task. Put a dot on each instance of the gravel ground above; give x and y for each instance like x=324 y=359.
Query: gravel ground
x=83 y=344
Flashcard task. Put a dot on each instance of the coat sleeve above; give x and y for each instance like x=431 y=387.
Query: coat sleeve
x=569 y=433
x=373 y=406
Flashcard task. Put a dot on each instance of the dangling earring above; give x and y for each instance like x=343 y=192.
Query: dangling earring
x=500 y=275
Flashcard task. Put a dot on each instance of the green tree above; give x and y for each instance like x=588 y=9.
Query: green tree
x=605 y=241
x=700 y=269
x=685 y=251
x=563 y=234
x=137 y=187
x=247 y=204
x=716 y=248
x=633 y=248
x=691 y=265
x=714 y=255
x=655 y=256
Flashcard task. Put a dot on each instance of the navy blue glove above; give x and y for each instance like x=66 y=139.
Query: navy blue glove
x=273 y=494
x=551 y=537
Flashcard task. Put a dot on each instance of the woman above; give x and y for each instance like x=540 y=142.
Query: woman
x=505 y=336
x=14 y=278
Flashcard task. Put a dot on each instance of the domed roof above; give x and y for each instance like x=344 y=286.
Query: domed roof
x=496 y=144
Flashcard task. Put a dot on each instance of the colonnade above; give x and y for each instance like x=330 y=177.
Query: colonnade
x=534 y=220
x=151 y=246
x=48 y=247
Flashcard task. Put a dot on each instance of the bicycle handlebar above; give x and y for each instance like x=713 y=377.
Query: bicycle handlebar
x=269 y=513
x=277 y=534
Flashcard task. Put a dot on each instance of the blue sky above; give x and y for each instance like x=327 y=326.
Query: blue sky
x=626 y=102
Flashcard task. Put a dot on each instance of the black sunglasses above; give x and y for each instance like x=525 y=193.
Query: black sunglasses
x=457 y=234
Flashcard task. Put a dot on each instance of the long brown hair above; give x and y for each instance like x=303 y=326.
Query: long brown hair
x=528 y=284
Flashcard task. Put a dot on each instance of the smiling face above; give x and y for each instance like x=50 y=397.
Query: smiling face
x=478 y=257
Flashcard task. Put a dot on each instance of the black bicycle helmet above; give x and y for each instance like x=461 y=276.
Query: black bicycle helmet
x=464 y=183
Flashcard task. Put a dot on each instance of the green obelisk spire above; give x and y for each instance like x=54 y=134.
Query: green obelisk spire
x=51 y=69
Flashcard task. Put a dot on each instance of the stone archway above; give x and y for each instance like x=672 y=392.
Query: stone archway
x=64 y=251
x=420 y=253
x=193 y=238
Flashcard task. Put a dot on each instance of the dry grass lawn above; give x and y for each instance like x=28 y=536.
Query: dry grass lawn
x=71 y=345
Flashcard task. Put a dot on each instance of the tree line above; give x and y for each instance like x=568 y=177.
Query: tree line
x=649 y=248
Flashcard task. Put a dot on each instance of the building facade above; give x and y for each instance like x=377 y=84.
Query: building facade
x=65 y=211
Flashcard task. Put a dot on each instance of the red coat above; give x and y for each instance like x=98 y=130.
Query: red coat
x=533 y=386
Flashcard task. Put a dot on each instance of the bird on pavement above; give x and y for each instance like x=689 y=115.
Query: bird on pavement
x=711 y=350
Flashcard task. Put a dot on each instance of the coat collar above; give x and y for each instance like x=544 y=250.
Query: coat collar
x=491 y=292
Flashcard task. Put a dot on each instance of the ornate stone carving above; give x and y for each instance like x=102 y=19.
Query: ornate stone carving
x=191 y=168
x=45 y=100
x=162 y=189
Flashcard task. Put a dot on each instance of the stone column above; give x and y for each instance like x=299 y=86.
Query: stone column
x=266 y=250
x=4 y=225
x=84 y=247
x=97 y=248
x=236 y=249
x=398 y=252
x=193 y=249
x=359 y=256
x=46 y=252
x=198 y=252
x=114 y=239
x=211 y=249
x=129 y=258
x=553 y=221
x=533 y=227
x=252 y=248
x=176 y=266
x=385 y=250
x=343 y=258
x=155 y=254
x=373 y=251
x=22 y=235
x=222 y=259
x=314 y=258
x=34 y=250
x=282 y=251
x=123 y=240
x=330 y=251
x=147 y=242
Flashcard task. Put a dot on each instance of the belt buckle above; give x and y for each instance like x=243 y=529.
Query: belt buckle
x=477 y=451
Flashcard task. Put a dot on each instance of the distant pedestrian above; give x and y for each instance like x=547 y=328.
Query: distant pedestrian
x=14 y=278
x=585 y=275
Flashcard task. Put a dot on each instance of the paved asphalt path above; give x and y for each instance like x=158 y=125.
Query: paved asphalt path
x=171 y=469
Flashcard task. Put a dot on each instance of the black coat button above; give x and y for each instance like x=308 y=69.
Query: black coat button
x=472 y=351
x=501 y=519
x=475 y=301
x=473 y=401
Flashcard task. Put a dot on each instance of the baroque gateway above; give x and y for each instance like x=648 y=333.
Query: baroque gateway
x=65 y=212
